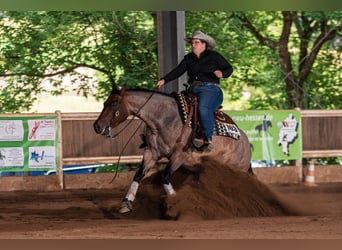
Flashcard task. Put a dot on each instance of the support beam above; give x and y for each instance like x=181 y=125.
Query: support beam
x=171 y=46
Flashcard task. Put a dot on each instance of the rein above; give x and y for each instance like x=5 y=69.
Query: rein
x=130 y=138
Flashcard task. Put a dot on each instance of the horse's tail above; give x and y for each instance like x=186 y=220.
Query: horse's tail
x=250 y=170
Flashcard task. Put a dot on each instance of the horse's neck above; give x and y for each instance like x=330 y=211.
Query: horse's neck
x=151 y=107
x=161 y=116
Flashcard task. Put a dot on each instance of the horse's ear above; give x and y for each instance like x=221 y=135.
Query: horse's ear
x=115 y=90
x=123 y=90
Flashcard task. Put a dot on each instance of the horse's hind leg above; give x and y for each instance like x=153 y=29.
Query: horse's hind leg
x=165 y=178
x=174 y=163
x=250 y=170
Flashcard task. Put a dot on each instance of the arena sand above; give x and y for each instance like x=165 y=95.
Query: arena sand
x=214 y=191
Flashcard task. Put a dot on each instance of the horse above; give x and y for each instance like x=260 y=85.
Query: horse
x=165 y=137
x=264 y=126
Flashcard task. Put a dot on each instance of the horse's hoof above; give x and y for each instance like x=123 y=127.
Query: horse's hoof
x=126 y=206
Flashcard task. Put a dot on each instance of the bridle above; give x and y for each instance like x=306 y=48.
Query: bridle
x=116 y=114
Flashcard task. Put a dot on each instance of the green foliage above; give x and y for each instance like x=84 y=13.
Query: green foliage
x=254 y=54
x=96 y=50
x=42 y=47
x=256 y=72
x=120 y=168
x=323 y=161
x=324 y=84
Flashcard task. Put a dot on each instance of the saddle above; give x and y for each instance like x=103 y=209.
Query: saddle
x=187 y=105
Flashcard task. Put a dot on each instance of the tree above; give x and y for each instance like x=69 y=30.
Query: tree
x=302 y=37
x=284 y=59
x=40 y=47
x=281 y=59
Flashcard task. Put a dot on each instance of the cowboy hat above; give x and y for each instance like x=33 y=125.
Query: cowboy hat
x=203 y=37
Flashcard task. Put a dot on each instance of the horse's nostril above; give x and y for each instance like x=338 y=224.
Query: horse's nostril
x=96 y=127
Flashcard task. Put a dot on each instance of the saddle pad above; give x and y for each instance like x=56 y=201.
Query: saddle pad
x=224 y=125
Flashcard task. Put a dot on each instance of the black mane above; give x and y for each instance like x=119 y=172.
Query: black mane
x=152 y=91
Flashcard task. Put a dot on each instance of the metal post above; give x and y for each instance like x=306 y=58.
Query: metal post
x=171 y=46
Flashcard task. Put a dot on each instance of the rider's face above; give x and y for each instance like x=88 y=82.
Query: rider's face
x=197 y=46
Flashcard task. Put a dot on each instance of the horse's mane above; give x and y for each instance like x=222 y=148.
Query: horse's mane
x=151 y=91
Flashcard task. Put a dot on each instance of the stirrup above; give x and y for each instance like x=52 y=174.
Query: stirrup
x=197 y=142
x=207 y=146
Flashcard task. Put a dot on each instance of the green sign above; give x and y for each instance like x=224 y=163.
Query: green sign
x=28 y=143
x=273 y=135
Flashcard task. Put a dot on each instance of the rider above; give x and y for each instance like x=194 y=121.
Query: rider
x=204 y=67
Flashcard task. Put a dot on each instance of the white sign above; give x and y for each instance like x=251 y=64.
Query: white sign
x=42 y=157
x=11 y=157
x=11 y=130
x=42 y=130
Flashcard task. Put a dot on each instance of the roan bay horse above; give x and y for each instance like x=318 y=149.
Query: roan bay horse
x=165 y=137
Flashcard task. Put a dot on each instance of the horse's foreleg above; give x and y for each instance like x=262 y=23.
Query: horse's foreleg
x=147 y=164
x=127 y=202
x=132 y=191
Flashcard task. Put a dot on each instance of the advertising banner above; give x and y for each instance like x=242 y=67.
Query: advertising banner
x=273 y=134
x=28 y=143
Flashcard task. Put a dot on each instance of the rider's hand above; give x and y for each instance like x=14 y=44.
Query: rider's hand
x=218 y=73
x=160 y=83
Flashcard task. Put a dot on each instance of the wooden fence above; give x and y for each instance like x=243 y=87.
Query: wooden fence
x=321 y=133
x=321 y=137
x=79 y=144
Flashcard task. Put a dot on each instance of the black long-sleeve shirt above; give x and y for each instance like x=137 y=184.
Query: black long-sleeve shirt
x=202 y=68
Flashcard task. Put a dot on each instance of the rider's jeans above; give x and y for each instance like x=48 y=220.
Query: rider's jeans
x=210 y=97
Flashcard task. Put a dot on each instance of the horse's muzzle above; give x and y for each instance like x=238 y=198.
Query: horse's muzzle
x=97 y=127
x=102 y=130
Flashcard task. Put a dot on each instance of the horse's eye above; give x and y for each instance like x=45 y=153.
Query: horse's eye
x=114 y=105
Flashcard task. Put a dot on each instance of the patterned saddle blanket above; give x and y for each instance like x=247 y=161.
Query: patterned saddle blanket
x=224 y=125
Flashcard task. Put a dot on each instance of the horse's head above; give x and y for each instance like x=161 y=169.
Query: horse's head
x=114 y=112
